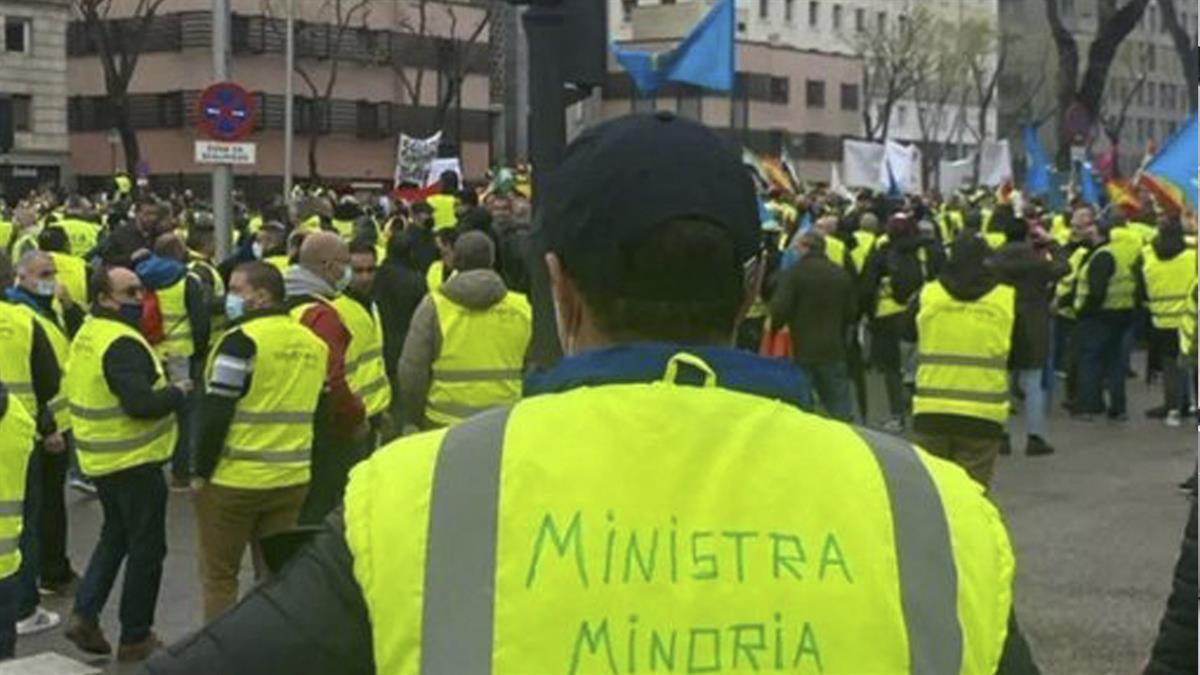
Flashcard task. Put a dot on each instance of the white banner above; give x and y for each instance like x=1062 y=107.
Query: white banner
x=441 y=165
x=902 y=164
x=995 y=165
x=956 y=174
x=414 y=157
x=861 y=162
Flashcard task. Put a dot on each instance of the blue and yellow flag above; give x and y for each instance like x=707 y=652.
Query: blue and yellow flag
x=706 y=57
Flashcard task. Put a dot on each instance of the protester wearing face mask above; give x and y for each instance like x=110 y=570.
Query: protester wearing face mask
x=123 y=412
x=320 y=275
x=263 y=382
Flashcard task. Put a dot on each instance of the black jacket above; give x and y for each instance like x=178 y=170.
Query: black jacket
x=130 y=372
x=816 y=300
x=1174 y=651
x=1033 y=273
x=398 y=290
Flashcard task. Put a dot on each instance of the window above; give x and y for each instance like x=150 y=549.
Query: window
x=860 y=19
x=1150 y=94
x=1151 y=53
x=1165 y=97
x=17 y=36
x=688 y=103
x=849 y=97
x=762 y=8
x=780 y=90
x=22 y=112
x=814 y=12
x=789 y=10
x=881 y=21
x=814 y=93
x=837 y=17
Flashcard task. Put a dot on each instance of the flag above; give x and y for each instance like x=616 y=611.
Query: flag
x=778 y=175
x=789 y=165
x=836 y=186
x=1122 y=196
x=1037 y=174
x=755 y=166
x=1172 y=172
x=1089 y=188
x=706 y=57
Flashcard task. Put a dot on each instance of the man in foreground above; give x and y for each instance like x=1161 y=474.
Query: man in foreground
x=603 y=524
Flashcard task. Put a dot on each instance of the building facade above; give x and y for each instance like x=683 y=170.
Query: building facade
x=33 y=77
x=1146 y=79
x=394 y=66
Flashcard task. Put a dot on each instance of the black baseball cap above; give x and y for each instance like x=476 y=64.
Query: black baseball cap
x=622 y=179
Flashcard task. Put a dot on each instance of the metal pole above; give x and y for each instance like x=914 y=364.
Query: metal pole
x=289 y=121
x=222 y=178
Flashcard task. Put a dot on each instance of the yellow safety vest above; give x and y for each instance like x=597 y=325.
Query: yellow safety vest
x=1060 y=231
x=254 y=224
x=1066 y=285
x=1121 y=289
x=344 y=228
x=471 y=374
x=1167 y=286
x=72 y=274
x=17 y=434
x=629 y=543
x=218 y=289
x=6 y=233
x=995 y=239
x=1145 y=232
x=951 y=223
x=862 y=251
x=835 y=250
x=444 y=216
x=962 y=353
x=1187 y=332
x=81 y=234
x=365 y=371
x=107 y=438
x=986 y=219
x=16 y=346
x=60 y=344
x=435 y=275
x=176 y=324
x=885 y=304
x=279 y=261
x=310 y=224
x=269 y=444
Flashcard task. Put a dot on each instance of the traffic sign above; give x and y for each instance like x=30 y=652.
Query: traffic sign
x=225 y=112
x=219 y=152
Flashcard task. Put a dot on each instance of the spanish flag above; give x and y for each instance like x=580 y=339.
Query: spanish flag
x=1123 y=196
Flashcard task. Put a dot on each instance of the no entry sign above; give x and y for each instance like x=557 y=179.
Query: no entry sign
x=225 y=112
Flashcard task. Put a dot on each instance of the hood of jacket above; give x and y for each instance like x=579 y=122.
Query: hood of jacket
x=476 y=289
x=967 y=275
x=299 y=281
x=157 y=272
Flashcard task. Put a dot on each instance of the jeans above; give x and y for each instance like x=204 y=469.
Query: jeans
x=8 y=616
x=28 y=598
x=832 y=384
x=134 y=502
x=1101 y=364
x=1064 y=357
x=54 y=564
x=1030 y=382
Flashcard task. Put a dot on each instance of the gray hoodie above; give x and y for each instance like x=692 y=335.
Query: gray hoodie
x=476 y=289
x=298 y=281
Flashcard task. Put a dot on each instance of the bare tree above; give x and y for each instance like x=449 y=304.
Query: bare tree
x=893 y=59
x=119 y=43
x=1185 y=47
x=1080 y=96
x=1115 y=109
x=327 y=29
x=939 y=83
x=454 y=52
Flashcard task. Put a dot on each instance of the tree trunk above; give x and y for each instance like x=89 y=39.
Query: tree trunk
x=1188 y=53
x=314 y=139
x=129 y=139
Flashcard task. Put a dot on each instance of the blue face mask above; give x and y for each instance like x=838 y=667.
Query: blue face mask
x=131 y=313
x=235 y=306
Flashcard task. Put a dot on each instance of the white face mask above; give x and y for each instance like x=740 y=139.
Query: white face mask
x=344 y=282
x=44 y=287
x=256 y=249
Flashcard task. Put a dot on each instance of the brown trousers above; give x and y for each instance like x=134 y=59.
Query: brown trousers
x=228 y=519
x=977 y=456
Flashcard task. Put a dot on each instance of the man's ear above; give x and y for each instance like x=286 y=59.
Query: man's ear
x=566 y=300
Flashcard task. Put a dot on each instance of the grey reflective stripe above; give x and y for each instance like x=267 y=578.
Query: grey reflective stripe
x=964 y=395
x=11 y=508
x=163 y=428
x=377 y=384
x=375 y=353
x=271 y=417
x=478 y=375
x=19 y=387
x=455 y=409
x=9 y=545
x=460 y=554
x=961 y=360
x=58 y=405
x=83 y=413
x=269 y=456
x=1169 y=298
x=924 y=558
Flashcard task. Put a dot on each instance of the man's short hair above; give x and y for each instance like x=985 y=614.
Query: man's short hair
x=28 y=258
x=100 y=283
x=263 y=277
x=474 y=251
x=359 y=246
x=814 y=241
x=54 y=239
x=683 y=283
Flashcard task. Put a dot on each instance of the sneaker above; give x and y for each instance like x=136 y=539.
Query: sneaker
x=40 y=621
x=81 y=484
x=1036 y=446
x=1173 y=419
x=894 y=426
x=138 y=651
x=59 y=587
x=87 y=636
x=180 y=484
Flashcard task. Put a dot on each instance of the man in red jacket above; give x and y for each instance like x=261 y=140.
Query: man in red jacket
x=320 y=275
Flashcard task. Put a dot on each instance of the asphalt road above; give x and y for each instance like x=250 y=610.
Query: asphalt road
x=1096 y=529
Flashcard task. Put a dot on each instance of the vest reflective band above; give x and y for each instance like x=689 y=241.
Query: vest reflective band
x=471 y=374
x=269 y=443
x=1064 y=306
x=1187 y=332
x=17 y=432
x=862 y=250
x=835 y=250
x=72 y=274
x=16 y=334
x=108 y=440
x=962 y=353
x=81 y=235
x=658 y=576
x=365 y=371
x=1167 y=286
x=61 y=346
x=1121 y=288
x=176 y=325
x=217 y=318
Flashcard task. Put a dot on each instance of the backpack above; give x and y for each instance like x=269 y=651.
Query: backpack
x=907 y=275
x=152 y=320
